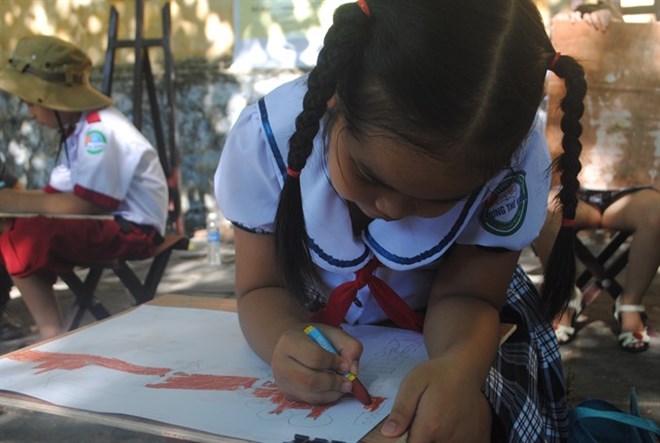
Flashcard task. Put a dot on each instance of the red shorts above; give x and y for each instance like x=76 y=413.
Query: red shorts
x=48 y=245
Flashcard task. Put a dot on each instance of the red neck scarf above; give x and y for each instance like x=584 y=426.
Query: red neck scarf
x=394 y=307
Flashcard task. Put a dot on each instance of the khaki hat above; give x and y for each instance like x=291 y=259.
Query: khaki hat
x=52 y=73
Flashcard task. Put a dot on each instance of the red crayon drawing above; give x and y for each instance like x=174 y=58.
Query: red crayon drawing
x=375 y=404
x=50 y=361
x=205 y=382
x=269 y=390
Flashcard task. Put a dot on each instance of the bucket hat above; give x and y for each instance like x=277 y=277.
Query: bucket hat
x=52 y=73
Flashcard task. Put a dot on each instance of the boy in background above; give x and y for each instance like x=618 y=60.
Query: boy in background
x=105 y=166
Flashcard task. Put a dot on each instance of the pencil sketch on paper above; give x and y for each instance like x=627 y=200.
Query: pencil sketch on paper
x=138 y=364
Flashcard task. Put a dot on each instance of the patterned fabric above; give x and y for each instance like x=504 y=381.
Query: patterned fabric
x=525 y=385
x=603 y=198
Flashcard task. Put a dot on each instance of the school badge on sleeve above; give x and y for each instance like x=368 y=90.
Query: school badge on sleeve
x=95 y=142
x=505 y=208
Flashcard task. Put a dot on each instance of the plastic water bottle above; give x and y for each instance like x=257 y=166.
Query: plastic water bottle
x=214 y=255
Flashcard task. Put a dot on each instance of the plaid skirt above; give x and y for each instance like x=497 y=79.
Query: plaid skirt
x=525 y=386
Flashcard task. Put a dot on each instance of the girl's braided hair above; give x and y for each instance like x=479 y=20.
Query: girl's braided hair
x=451 y=78
x=560 y=269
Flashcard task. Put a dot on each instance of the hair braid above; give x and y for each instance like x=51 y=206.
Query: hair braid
x=340 y=50
x=560 y=272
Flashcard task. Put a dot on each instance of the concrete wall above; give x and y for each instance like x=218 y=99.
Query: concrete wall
x=208 y=98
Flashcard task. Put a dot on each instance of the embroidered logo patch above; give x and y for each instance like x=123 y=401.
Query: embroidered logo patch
x=95 y=142
x=506 y=207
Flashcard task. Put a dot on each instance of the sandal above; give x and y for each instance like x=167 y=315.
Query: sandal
x=631 y=341
x=566 y=333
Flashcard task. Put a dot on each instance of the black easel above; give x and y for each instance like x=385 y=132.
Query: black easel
x=169 y=158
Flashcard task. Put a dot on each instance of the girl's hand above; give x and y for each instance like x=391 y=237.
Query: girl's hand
x=599 y=20
x=436 y=403
x=306 y=372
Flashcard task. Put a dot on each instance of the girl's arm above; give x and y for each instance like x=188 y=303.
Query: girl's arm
x=12 y=200
x=264 y=306
x=273 y=323
x=466 y=297
x=461 y=332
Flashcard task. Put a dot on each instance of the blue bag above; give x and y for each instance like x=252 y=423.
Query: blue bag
x=597 y=421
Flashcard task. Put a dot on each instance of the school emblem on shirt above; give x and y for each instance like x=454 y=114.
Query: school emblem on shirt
x=505 y=209
x=95 y=142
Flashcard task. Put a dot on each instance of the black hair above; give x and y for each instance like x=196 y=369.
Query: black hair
x=559 y=276
x=450 y=77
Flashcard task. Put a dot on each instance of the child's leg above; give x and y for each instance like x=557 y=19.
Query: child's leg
x=640 y=213
x=40 y=299
x=10 y=327
x=39 y=248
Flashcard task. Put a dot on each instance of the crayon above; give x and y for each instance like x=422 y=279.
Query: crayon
x=359 y=391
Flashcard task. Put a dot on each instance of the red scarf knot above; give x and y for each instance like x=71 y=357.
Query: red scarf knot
x=389 y=301
x=364 y=276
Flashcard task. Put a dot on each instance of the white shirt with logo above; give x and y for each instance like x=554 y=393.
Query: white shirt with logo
x=109 y=162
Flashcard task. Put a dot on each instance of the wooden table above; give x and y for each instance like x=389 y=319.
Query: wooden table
x=139 y=424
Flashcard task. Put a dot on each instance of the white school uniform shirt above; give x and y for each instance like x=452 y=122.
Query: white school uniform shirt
x=507 y=212
x=110 y=163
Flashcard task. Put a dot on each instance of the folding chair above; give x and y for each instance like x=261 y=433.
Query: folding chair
x=621 y=112
x=602 y=268
x=142 y=290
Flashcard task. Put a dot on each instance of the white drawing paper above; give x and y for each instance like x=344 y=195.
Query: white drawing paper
x=193 y=368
